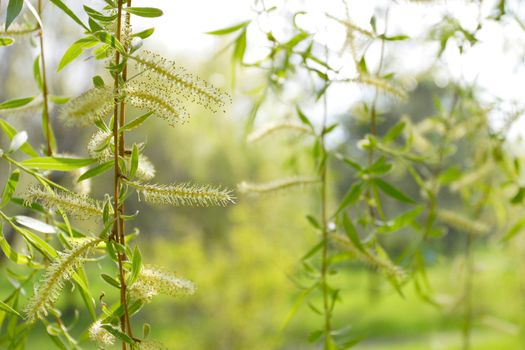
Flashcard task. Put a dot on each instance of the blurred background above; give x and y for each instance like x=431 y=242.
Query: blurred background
x=245 y=258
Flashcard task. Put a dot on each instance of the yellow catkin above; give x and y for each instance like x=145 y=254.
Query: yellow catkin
x=77 y=205
x=50 y=286
x=184 y=194
x=462 y=223
x=184 y=84
x=277 y=185
x=276 y=127
x=94 y=104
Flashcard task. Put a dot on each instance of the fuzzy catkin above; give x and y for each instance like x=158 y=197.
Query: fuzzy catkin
x=275 y=127
x=184 y=194
x=182 y=83
x=78 y=205
x=154 y=280
x=100 y=335
x=277 y=185
x=48 y=289
x=96 y=103
x=152 y=95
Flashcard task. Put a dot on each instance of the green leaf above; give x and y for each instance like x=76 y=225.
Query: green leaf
x=313 y=221
x=37 y=242
x=35 y=224
x=392 y=191
x=304 y=119
x=514 y=230
x=118 y=333
x=394 y=38
x=59 y=164
x=351 y=232
x=350 y=197
x=136 y=122
x=94 y=14
x=6 y=41
x=313 y=250
x=19 y=102
x=68 y=11
x=17 y=141
x=99 y=169
x=76 y=50
x=109 y=39
x=98 y=82
x=229 y=30
x=110 y=280
x=59 y=100
x=10 y=187
x=11 y=132
x=136 y=265
x=36 y=73
x=9 y=309
x=144 y=11
x=13 y=10
x=144 y=34
x=134 y=161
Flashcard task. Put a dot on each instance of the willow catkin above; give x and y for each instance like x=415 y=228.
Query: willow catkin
x=96 y=103
x=183 y=194
x=78 y=205
x=101 y=336
x=277 y=185
x=153 y=280
x=184 y=84
x=50 y=286
x=272 y=128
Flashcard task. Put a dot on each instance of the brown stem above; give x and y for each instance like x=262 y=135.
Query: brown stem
x=117 y=233
x=45 y=113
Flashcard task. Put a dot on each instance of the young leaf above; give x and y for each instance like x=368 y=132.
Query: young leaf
x=19 y=102
x=144 y=34
x=352 y=233
x=144 y=11
x=136 y=122
x=11 y=132
x=68 y=11
x=229 y=30
x=136 y=264
x=59 y=164
x=36 y=72
x=13 y=10
x=76 y=50
x=134 y=161
x=392 y=191
x=110 y=280
x=9 y=188
x=17 y=141
x=6 y=41
x=350 y=197
x=9 y=309
x=99 y=169
x=34 y=224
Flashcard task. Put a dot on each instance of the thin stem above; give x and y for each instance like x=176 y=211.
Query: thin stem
x=45 y=112
x=323 y=170
x=117 y=234
x=324 y=223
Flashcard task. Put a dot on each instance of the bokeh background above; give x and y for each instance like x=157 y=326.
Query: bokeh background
x=245 y=258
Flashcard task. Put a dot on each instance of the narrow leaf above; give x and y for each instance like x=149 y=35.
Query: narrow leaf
x=60 y=164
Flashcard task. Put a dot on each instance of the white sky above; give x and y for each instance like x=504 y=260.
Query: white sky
x=495 y=64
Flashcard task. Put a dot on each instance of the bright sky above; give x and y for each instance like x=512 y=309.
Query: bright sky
x=495 y=64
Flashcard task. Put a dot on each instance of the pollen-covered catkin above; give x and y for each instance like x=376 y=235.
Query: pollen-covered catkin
x=49 y=288
x=94 y=104
x=184 y=84
x=78 y=205
x=154 y=280
x=184 y=194
x=155 y=96
x=101 y=336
